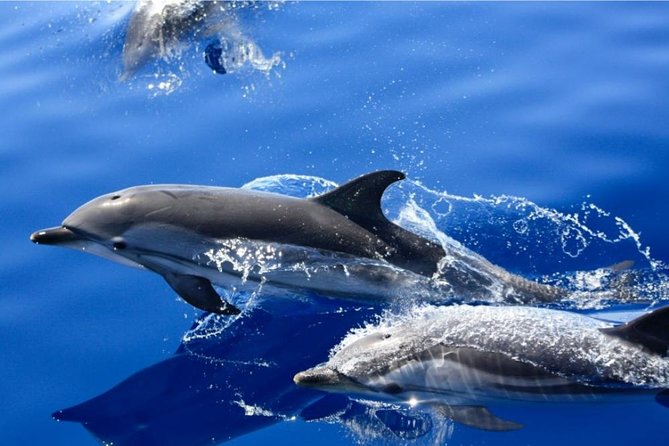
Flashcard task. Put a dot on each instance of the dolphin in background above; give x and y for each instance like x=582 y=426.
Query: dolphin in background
x=339 y=243
x=159 y=29
x=462 y=358
x=157 y=26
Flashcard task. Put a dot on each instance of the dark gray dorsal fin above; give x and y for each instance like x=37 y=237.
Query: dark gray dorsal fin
x=650 y=331
x=360 y=201
x=199 y=292
x=361 y=197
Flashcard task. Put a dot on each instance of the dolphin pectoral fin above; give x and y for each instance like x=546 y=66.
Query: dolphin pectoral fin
x=478 y=417
x=199 y=292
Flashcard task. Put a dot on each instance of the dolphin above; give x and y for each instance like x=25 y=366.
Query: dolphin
x=196 y=236
x=158 y=27
x=155 y=27
x=460 y=359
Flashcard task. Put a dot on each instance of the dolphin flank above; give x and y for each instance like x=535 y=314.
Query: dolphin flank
x=196 y=236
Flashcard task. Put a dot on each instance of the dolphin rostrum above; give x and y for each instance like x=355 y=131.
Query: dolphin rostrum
x=461 y=358
x=194 y=236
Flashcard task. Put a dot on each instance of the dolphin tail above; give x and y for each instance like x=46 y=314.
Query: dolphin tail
x=478 y=417
x=650 y=331
x=199 y=292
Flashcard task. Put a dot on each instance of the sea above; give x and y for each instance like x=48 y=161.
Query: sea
x=535 y=134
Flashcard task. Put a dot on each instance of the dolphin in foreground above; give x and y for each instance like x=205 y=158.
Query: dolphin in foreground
x=338 y=243
x=459 y=359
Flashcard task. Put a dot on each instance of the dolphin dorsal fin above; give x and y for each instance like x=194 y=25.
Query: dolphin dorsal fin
x=360 y=199
x=650 y=331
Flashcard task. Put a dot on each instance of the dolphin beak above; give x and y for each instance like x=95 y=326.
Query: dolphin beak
x=53 y=236
x=322 y=377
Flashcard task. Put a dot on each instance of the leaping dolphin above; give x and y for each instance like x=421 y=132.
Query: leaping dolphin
x=461 y=358
x=196 y=236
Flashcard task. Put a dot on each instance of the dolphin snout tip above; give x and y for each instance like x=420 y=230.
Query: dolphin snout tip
x=52 y=236
x=317 y=377
x=299 y=378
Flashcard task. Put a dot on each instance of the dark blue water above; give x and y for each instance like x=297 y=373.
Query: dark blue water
x=560 y=104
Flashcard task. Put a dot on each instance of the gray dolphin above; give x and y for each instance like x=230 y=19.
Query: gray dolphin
x=461 y=358
x=339 y=242
x=157 y=27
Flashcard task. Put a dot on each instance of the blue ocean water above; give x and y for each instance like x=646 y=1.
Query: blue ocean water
x=562 y=105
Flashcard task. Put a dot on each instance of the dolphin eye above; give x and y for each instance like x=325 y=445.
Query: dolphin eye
x=387 y=336
x=115 y=197
x=118 y=244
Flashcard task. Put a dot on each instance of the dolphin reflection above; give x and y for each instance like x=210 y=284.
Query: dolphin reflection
x=220 y=386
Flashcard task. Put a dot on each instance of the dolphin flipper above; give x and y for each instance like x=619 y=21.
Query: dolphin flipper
x=478 y=417
x=199 y=292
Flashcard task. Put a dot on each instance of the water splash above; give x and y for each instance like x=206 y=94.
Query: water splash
x=163 y=85
x=577 y=251
x=231 y=53
x=518 y=227
x=300 y=186
x=375 y=422
x=251 y=410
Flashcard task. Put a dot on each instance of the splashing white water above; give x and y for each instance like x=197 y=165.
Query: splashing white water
x=527 y=225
